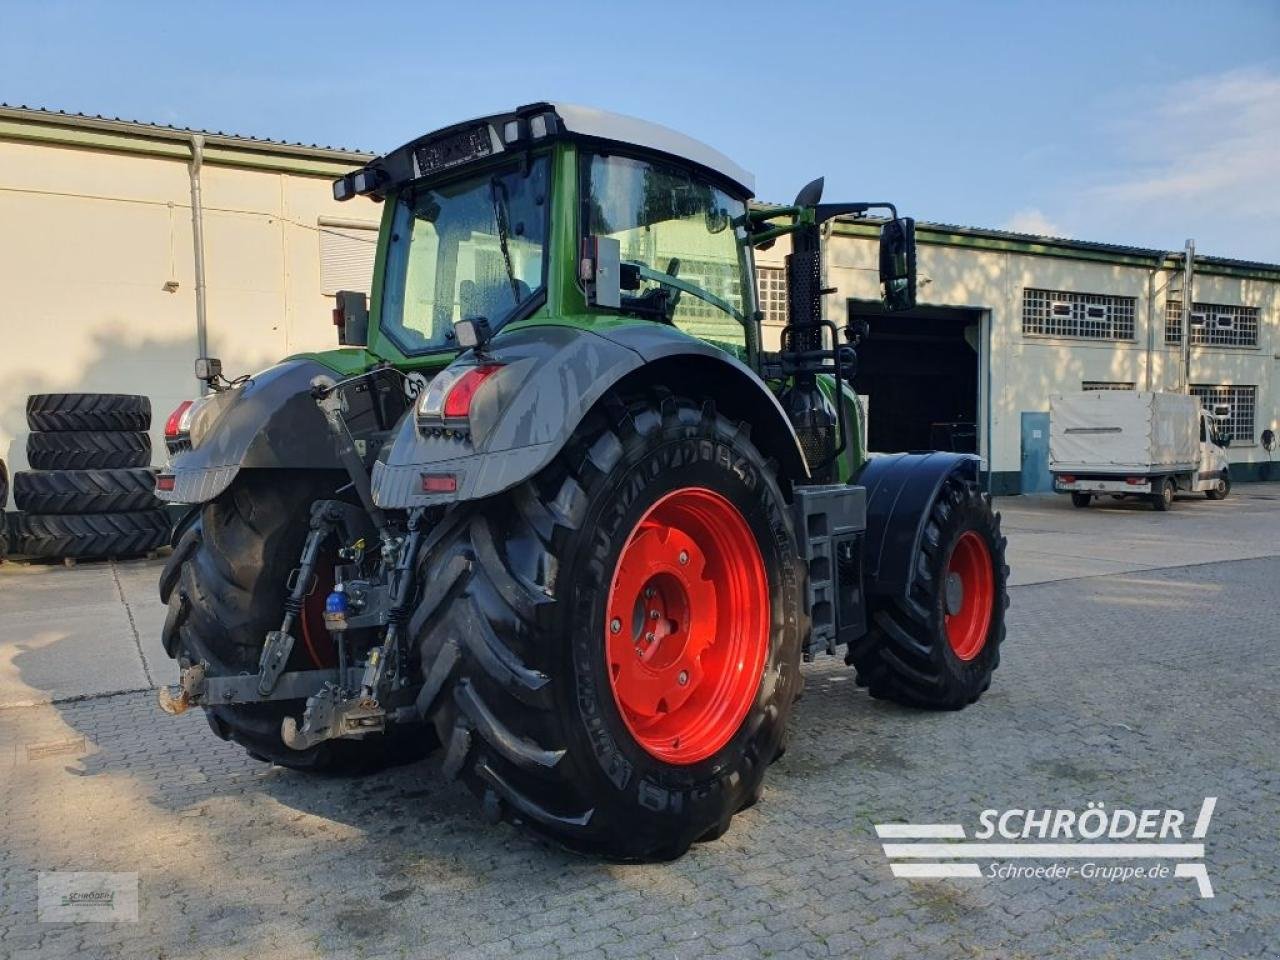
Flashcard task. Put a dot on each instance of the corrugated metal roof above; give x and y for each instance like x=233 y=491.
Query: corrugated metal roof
x=1115 y=248
x=347 y=153
x=170 y=131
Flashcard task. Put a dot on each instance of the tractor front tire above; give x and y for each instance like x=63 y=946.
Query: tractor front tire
x=225 y=585
x=611 y=650
x=937 y=648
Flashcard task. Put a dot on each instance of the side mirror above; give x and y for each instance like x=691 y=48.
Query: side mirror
x=600 y=271
x=351 y=317
x=898 y=264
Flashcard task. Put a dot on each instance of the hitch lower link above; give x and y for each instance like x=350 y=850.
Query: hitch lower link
x=346 y=702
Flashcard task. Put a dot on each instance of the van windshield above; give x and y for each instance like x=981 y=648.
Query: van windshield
x=474 y=247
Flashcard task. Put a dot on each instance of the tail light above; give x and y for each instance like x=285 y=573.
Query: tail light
x=446 y=403
x=1066 y=478
x=179 y=423
x=1135 y=481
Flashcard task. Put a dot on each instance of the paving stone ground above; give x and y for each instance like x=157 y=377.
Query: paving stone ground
x=1139 y=689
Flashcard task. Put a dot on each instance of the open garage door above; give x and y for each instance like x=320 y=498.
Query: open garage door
x=919 y=371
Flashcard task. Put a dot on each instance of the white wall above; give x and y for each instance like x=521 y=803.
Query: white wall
x=91 y=237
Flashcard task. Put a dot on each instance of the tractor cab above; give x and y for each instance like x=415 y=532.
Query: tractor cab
x=566 y=215
x=555 y=213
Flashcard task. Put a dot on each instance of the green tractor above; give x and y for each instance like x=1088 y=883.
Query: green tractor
x=555 y=510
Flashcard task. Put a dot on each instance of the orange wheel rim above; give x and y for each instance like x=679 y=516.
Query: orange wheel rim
x=687 y=625
x=970 y=595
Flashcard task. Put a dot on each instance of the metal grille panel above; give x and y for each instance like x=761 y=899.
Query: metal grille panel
x=1243 y=403
x=1213 y=324
x=1107 y=385
x=1088 y=316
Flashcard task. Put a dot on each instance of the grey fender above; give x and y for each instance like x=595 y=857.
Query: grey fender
x=550 y=379
x=901 y=490
x=269 y=421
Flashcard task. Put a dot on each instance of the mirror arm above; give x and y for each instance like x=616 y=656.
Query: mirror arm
x=825 y=211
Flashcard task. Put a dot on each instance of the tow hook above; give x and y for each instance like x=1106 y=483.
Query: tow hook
x=330 y=716
x=186 y=694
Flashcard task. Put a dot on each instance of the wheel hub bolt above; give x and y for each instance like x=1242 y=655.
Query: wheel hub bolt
x=649 y=638
x=615 y=625
x=648 y=593
x=683 y=679
x=684 y=557
x=653 y=614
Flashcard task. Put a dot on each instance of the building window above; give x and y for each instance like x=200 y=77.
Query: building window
x=1107 y=385
x=772 y=289
x=1240 y=403
x=346 y=258
x=1213 y=324
x=1089 y=316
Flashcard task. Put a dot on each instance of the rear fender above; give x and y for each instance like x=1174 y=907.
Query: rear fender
x=268 y=422
x=551 y=378
x=901 y=489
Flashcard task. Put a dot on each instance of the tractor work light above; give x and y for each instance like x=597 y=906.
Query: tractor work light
x=446 y=403
x=343 y=188
x=367 y=180
x=472 y=332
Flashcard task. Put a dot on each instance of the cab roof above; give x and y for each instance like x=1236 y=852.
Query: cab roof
x=524 y=127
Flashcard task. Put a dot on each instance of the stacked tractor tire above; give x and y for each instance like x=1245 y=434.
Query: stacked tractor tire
x=90 y=492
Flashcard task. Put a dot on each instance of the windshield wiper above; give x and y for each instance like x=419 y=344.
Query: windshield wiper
x=496 y=186
x=667 y=280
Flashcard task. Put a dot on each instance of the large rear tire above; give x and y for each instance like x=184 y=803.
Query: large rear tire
x=88 y=411
x=85 y=491
x=564 y=704
x=83 y=450
x=225 y=585
x=89 y=535
x=937 y=648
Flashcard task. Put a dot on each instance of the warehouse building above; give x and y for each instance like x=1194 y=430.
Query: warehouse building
x=1005 y=320
x=99 y=263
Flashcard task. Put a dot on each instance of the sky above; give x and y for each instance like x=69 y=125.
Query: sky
x=1144 y=123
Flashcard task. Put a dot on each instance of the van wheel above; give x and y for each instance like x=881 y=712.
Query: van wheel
x=1163 y=500
x=1081 y=499
x=1223 y=488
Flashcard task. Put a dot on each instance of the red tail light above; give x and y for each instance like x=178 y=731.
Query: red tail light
x=176 y=425
x=1135 y=481
x=457 y=404
x=1066 y=478
x=165 y=482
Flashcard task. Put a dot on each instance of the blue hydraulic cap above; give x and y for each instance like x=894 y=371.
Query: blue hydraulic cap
x=335 y=610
